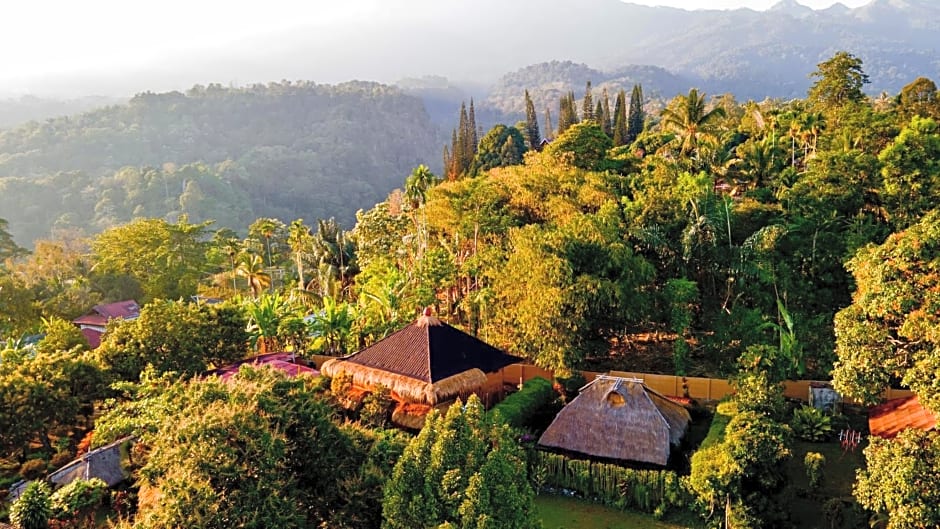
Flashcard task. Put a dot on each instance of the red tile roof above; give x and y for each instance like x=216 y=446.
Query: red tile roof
x=430 y=350
x=279 y=361
x=888 y=419
x=100 y=314
x=120 y=309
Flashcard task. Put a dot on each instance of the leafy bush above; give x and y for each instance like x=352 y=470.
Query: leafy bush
x=742 y=470
x=60 y=459
x=341 y=384
x=377 y=407
x=814 y=463
x=757 y=392
x=34 y=468
x=78 y=499
x=517 y=409
x=811 y=424
x=570 y=385
x=32 y=509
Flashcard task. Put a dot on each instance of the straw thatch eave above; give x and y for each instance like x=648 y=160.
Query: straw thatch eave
x=676 y=415
x=408 y=388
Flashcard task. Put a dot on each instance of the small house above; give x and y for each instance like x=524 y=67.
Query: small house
x=620 y=419
x=96 y=320
x=426 y=364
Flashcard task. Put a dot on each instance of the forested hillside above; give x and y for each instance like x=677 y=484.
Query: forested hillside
x=752 y=241
x=229 y=154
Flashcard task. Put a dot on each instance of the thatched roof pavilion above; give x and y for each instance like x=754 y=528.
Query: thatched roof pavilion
x=619 y=418
x=427 y=362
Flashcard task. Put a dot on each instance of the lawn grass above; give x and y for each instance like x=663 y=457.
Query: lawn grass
x=561 y=512
x=839 y=477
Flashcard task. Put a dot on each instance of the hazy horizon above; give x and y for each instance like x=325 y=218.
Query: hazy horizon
x=105 y=47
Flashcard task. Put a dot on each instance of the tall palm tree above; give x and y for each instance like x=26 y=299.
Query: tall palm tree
x=756 y=161
x=232 y=246
x=690 y=119
x=301 y=242
x=266 y=228
x=251 y=267
x=416 y=189
x=417 y=184
x=811 y=124
x=333 y=253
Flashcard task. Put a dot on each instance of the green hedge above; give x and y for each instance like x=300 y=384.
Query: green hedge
x=716 y=432
x=650 y=491
x=518 y=408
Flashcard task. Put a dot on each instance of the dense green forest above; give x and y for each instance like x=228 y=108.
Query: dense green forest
x=753 y=241
x=227 y=154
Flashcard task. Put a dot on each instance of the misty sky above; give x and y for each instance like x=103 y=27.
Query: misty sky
x=753 y=4
x=47 y=40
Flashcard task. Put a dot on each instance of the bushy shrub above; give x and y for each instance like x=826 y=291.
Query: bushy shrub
x=31 y=510
x=78 y=499
x=33 y=469
x=341 y=384
x=377 y=407
x=518 y=408
x=60 y=459
x=814 y=463
x=570 y=385
x=757 y=392
x=742 y=470
x=321 y=384
x=811 y=424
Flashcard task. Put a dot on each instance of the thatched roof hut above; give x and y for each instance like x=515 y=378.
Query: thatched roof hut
x=427 y=362
x=619 y=418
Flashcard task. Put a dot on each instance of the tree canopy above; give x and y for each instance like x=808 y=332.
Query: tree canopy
x=462 y=471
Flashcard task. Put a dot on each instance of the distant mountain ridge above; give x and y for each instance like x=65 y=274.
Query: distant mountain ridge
x=547 y=82
x=752 y=54
x=759 y=54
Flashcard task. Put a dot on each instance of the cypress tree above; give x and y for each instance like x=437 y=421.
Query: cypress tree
x=587 y=107
x=549 y=130
x=567 y=112
x=604 y=114
x=464 y=143
x=474 y=138
x=531 y=131
x=463 y=140
x=620 y=119
x=637 y=116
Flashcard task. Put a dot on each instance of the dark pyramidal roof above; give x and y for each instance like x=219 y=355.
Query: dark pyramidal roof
x=431 y=350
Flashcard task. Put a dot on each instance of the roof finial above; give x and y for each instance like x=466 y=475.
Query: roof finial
x=426 y=319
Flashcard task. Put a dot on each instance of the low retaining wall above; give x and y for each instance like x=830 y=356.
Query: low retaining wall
x=699 y=388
